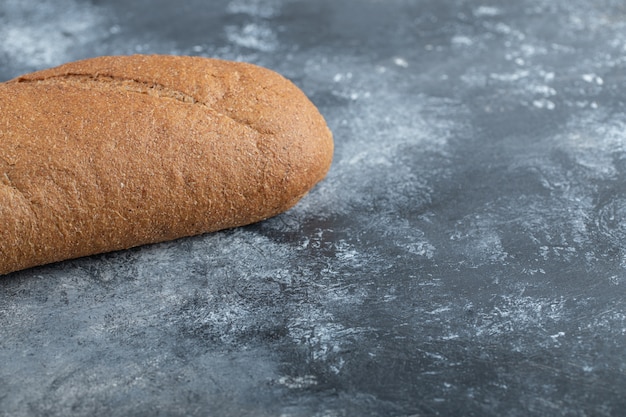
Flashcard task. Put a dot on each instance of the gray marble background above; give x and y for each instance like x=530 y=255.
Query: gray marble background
x=465 y=256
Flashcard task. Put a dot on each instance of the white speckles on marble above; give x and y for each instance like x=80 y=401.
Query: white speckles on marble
x=256 y=36
x=49 y=38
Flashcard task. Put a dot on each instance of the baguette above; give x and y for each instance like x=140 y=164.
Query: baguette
x=110 y=153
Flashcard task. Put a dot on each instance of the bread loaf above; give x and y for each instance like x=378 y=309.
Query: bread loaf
x=114 y=152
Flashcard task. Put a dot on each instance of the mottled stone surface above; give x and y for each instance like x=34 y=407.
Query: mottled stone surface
x=465 y=256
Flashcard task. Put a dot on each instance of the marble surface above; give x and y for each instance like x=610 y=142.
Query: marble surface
x=465 y=256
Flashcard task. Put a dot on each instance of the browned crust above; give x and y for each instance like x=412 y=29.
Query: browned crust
x=114 y=152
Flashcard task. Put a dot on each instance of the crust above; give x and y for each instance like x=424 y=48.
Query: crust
x=114 y=152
